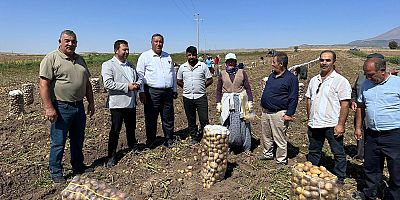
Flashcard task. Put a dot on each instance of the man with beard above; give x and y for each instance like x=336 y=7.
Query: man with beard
x=157 y=78
x=63 y=83
x=119 y=77
x=328 y=97
x=279 y=102
x=194 y=77
x=379 y=104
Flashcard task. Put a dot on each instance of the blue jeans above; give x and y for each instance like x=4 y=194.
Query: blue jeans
x=72 y=119
x=382 y=145
x=316 y=138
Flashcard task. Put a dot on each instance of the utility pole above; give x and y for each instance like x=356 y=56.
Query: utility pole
x=198 y=30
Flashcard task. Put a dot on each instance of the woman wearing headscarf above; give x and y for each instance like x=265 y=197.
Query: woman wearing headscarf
x=234 y=103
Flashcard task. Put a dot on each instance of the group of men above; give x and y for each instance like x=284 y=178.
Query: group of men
x=64 y=82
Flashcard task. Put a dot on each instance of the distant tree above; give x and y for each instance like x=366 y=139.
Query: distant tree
x=296 y=48
x=393 y=45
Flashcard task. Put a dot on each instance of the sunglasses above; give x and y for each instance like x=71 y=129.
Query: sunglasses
x=327 y=60
x=319 y=87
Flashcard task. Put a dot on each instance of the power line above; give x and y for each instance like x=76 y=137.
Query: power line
x=179 y=8
x=194 y=7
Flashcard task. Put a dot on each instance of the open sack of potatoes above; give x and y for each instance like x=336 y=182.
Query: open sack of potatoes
x=214 y=154
x=86 y=188
x=313 y=182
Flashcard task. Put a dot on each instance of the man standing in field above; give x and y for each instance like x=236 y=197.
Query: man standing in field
x=157 y=80
x=328 y=97
x=119 y=77
x=355 y=93
x=63 y=83
x=379 y=104
x=194 y=77
x=279 y=102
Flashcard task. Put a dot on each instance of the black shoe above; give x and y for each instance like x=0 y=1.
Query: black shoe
x=357 y=195
x=168 y=143
x=82 y=170
x=58 y=179
x=111 y=162
x=151 y=145
x=263 y=157
x=340 y=183
x=193 y=141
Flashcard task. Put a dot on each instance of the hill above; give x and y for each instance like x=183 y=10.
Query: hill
x=380 y=41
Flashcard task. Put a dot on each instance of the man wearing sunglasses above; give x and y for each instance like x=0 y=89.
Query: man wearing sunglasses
x=328 y=97
x=379 y=104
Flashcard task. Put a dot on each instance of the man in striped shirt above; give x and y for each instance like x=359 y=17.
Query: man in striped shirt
x=328 y=98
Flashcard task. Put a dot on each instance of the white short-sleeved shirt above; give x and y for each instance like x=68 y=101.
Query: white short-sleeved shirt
x=156 y=71
x=194 y=79
x=325 y=105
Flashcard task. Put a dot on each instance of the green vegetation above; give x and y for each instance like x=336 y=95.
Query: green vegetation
x=394 y=60
x=393 y=45
x=357 y=52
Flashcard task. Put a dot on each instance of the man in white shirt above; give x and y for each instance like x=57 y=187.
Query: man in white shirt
x=194 y=76
x=158 y=89
x=328 y=98
x=119 y=77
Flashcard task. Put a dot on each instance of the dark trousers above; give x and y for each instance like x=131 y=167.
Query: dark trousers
x=159 y=101
x=201 y=106
x=71 y=122
x=316 y=138
x=381 y=145
x=119 y=115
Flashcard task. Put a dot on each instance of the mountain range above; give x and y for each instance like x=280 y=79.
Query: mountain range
x=381 y=41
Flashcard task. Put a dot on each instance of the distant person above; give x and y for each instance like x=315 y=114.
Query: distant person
x=157 y=80
x=119 y=77
x=216 y=65
x=209 y=63
x=379 y=107
x=233 y=97
x=355 y=93
x=63 y=83
x=328 y=98
x=279 y=102
x=194 y=77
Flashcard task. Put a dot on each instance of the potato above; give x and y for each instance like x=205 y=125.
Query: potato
x=328 y=186
x=306 y=193
x=323 y=192
x=315 y=194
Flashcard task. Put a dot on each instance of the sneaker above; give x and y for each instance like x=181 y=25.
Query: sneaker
x=340 y=183
x=84 y=169
x=357 y=195
x=168 y=143
x=193 y=142
x=263 y=157
x=111 y=162
x=58 y=179
x=281 y=165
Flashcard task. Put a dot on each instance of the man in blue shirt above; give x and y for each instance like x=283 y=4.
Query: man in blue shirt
x=279 y=102
x=379 y=103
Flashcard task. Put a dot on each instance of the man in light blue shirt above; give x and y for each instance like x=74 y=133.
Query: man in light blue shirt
x=157 y=80
x=379 y=103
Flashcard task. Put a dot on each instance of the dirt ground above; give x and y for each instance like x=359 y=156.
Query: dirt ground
x=156 y=173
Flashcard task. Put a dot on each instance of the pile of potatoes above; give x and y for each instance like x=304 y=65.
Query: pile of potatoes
x=82 y=188
x=313 y=182
x=27 y=90
x=214 y=154
x=16 y=102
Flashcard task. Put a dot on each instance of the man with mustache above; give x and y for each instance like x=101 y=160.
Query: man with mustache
x=119 y=77
x=63 y=83
x=194 y=77
x=379 y=104
x=328 y=97
x=157 y=78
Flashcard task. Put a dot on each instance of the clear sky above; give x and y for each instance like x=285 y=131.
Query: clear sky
x=33 y=26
